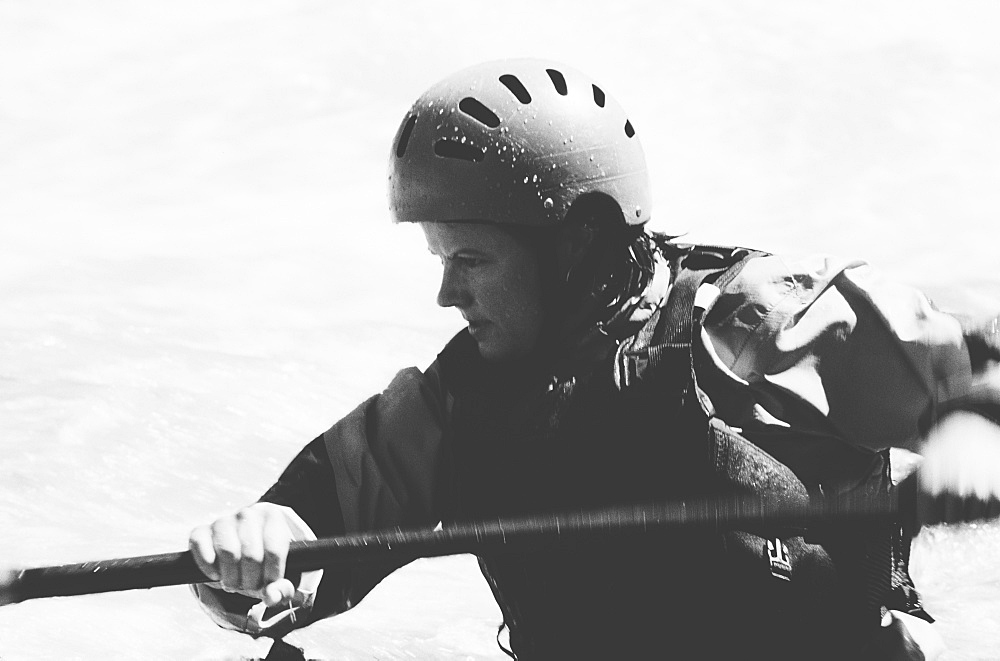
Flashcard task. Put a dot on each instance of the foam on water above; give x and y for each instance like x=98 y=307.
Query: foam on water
x=197 y=273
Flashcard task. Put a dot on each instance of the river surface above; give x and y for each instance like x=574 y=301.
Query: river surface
x=198 y=274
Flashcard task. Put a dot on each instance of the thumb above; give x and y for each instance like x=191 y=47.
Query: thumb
x=278 y=592
x=904 y=637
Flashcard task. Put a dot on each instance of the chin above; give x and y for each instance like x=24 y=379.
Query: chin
x=498 y=353
x=491 y=353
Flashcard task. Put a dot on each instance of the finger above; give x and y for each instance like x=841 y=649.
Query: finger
x=276 y=540
x=277 y=592
x=226 y=542
x=962 y=457
x=894 y=641
x=250 y=531
x=915 y=638
x=203 y=552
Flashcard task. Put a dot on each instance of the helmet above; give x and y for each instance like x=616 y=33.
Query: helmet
x=514 y=141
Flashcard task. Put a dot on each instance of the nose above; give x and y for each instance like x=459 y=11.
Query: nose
x=453 y=291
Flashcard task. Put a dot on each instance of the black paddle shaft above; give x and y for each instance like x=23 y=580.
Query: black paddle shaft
x=496 y=536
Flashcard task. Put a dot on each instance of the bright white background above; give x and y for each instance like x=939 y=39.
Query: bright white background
x=198 y=274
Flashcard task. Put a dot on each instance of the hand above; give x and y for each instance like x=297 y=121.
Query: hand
x=959 y=478
x=904 y=637
x=246 y=552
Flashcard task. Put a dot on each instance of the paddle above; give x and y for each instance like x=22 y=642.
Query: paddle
x=495 y=536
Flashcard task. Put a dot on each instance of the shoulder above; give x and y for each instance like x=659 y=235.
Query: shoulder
x=771 y=295
x=386 y=453
x=870 y=352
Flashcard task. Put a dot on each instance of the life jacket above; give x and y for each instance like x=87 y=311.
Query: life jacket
x=639 y=428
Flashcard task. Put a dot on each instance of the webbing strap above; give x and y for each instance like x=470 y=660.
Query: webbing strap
x=679 y=321
x=719 y=266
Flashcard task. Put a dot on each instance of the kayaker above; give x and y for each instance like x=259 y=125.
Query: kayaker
x=602 y=364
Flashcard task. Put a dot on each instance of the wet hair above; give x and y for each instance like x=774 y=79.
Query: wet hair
x=619 y=262
x=617 y=265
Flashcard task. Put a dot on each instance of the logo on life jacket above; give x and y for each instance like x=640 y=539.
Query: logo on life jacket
x=777 y=554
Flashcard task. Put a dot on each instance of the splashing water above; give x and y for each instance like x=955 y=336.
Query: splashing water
x=198 y=275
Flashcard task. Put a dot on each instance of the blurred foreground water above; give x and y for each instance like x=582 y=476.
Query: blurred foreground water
x=198 y=275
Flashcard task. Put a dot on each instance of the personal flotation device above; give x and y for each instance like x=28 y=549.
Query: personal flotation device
x=642 y=427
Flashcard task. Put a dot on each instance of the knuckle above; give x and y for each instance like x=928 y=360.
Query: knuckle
x=227 y=553
x=274 y=555
x=247 y=514
x=274 y=564
x=251 y=554
x=222 y=527
x=199 y=536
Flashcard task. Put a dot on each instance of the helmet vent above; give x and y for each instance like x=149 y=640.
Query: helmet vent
x=460 y=150
x=516 y=87
x=629 y=131
x=475 y=109
x=404 y=136
x=598 y=96
x=558 y=81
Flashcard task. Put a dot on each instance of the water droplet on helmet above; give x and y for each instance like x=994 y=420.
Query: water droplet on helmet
x=638 y=212
x=463 y=139
x=534 y=178
x=525 y=180
x=548 y=203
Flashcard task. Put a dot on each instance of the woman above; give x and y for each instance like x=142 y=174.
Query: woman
x=603 y=364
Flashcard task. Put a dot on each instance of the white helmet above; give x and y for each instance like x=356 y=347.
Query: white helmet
x=514 y=141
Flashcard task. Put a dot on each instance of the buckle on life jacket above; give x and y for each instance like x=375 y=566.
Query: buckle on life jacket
x=777 y=555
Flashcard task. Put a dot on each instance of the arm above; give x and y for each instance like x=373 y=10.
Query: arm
x=375 y=468
x=822 y=335
x=823 y=342
x=818 y=338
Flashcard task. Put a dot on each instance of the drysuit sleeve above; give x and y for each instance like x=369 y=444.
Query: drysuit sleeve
x=877 y=359
x=378 y=467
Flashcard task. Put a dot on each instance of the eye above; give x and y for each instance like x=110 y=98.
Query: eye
x=467 y=261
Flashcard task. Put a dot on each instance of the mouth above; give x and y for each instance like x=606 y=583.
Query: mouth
x=477 y=325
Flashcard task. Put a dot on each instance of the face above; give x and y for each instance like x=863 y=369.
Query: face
x=494 y=282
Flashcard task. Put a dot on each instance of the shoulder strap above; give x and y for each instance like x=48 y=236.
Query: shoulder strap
x=669 y=334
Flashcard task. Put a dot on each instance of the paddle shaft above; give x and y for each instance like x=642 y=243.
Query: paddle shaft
x=495 y=536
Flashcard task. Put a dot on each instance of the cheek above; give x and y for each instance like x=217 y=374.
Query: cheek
x=523 y=296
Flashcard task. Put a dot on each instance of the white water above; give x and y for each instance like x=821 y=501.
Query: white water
x=198 y=275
